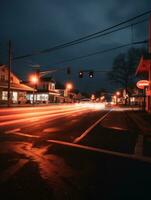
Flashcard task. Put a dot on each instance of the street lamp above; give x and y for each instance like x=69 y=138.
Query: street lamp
x=117 y=97
x=69 y=86
x=34 y=81
x=117 y=93
x=92 y=97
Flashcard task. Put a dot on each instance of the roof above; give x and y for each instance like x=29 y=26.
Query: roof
x=47 y=79
x=144 y=64
x=53 y=92
x=14 y=86
x=6 y=67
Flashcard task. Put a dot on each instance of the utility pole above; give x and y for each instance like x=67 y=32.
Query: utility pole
x=150 y=63
x=9 y=73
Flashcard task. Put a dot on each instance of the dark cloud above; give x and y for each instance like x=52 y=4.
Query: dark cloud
x=39 y=24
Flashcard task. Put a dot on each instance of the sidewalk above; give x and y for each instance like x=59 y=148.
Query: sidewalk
x=142 y=120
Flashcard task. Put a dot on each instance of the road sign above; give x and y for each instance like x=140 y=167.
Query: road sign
x=142 y=83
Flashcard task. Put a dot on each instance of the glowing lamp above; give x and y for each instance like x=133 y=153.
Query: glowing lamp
x=117 y=93
x=69 y=86
x=34 y=79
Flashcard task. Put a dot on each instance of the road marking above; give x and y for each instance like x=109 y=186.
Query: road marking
x=139 y=146
x=12 y=131
x=118 y=128
x=78 y=139
x=49 y=130
x=99 y=150
x=23 y=134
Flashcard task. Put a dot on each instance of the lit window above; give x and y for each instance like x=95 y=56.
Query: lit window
x=4 y=95
x=52 y=86
x=2 y=77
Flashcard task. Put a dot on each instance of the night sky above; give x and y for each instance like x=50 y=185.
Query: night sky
x=34 y=25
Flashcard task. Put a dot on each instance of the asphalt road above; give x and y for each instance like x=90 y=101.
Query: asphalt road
x=56 y=152
x=63 y=122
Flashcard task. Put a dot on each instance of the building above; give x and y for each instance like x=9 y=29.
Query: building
x=18 y=91
x=144 y=67
x=45 y=91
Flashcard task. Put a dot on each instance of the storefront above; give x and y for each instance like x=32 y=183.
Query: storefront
x=144 y=67
x=44 y=97
x=18 y=91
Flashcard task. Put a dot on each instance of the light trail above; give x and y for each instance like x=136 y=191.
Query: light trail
x=36 y=113
x=51 y=115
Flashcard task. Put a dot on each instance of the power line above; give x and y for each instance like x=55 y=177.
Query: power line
x=89 y=55
x=82 y=39
x=97 y=36
x=101 y=52
x=93 y=54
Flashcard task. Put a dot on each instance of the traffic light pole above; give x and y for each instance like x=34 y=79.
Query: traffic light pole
x=90 y=72
x=149 y=97
x=9 y=73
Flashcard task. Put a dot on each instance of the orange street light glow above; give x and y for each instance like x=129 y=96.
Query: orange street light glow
x=34 y=79
x=69 y=86
x=117 y=93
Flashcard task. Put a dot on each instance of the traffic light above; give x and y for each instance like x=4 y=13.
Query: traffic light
x=81 y=74
x=91 y=74
x=68 y=70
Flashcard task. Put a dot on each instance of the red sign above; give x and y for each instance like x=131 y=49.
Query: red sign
x=142 y=83
x=148 y=92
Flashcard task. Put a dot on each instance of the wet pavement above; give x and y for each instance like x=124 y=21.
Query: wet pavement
x=102 y=165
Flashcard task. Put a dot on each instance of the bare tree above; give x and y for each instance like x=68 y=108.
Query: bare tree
x=124 y=67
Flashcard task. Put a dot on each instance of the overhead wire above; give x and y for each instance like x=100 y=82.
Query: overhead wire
x=82 y=39
x=101 y=52
x=131 y=25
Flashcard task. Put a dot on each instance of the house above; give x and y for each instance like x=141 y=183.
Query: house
x=18 y=91
x=45 y=91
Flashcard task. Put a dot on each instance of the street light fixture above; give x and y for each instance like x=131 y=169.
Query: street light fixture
x=69 y=86
x=117 y=97
x=117 y=93
x=34 y=81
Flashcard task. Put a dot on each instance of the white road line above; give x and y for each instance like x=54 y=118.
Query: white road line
x=93 y=149
x=78 y=139
x=23 y=134
x=98 y=150
x=49 y=130
x=12 y=131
